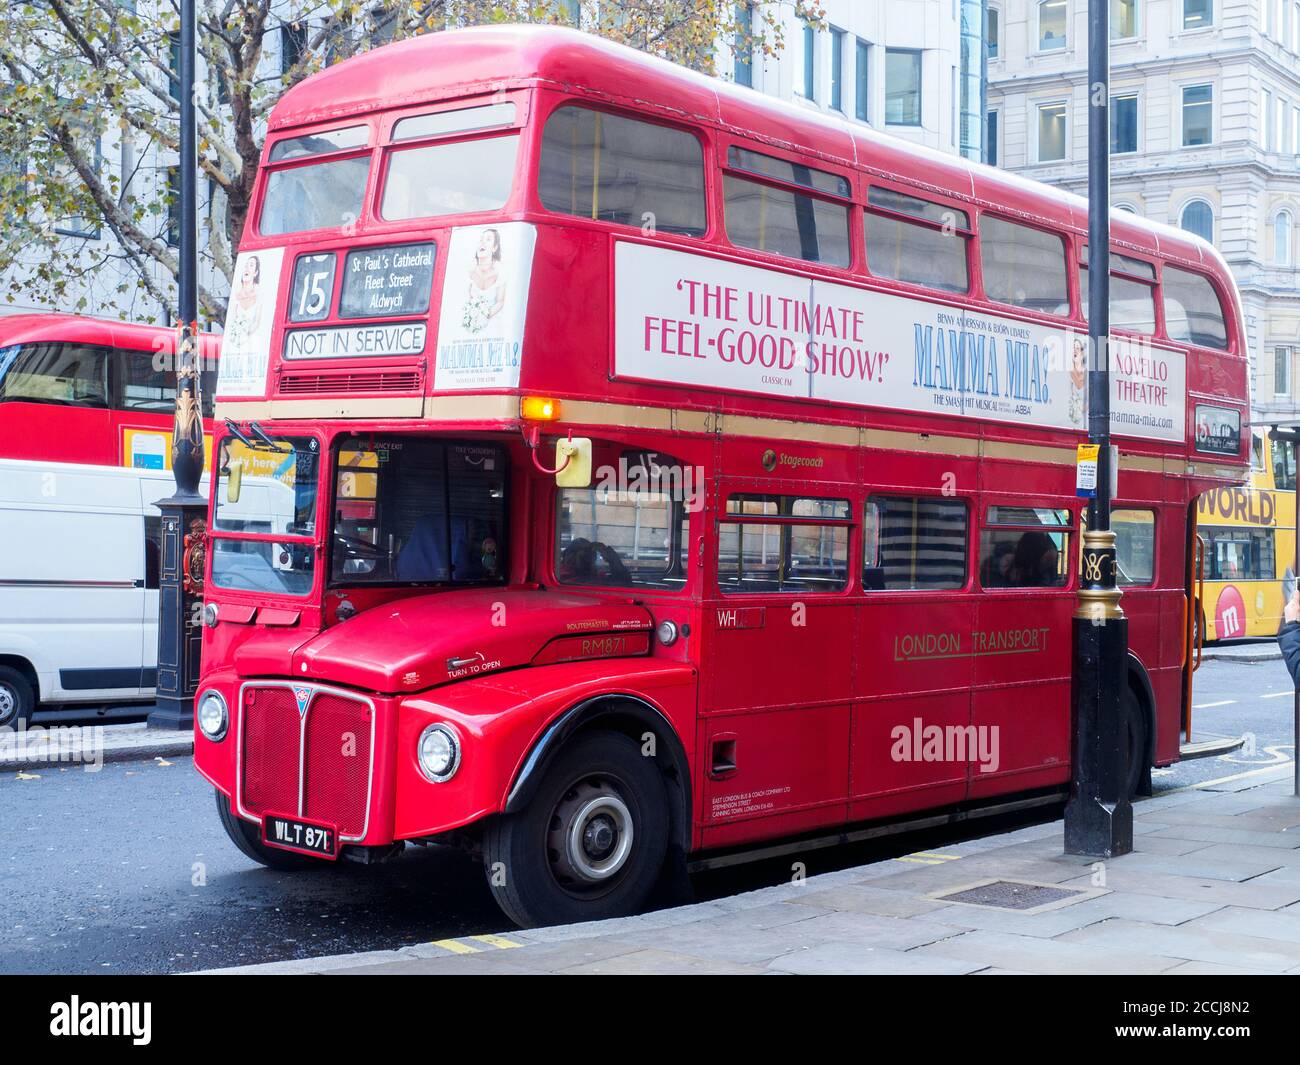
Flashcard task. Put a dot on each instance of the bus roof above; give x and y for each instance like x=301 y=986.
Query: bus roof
x=80 y=329
x=495 y=58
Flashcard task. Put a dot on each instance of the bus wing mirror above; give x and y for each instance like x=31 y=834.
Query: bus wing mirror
x=234 y=479
x=573 y=462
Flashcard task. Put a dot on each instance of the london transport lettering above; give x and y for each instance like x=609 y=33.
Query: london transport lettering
x=690 y=319
x=931 y=645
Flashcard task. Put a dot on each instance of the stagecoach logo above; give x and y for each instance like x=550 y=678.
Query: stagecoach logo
x=303 y=696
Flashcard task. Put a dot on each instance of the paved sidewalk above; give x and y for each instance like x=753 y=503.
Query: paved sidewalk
x=1213 y=886
x=1242 y=651
x=47 y=746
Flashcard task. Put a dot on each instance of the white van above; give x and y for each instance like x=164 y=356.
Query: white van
x=79 y=553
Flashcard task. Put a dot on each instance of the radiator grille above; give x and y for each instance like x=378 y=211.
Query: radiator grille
x=271 y=724
x=330 y=749
x=338 y=763
x=297 y=384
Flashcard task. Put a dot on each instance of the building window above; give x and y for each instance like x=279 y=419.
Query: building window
x=1198 y=14
x=1052 y=25
x=1126 y=207
x=1295 y=130
x=1051 y=132
x=1295 y=27
x=742 y=46
x=1123 y=19
x=1266 y=120
x=1281 y=371
x=1198 y=115
x=862 y=74
x=1198 y=217
x=809 y=61
x=174 y=65
x=991 y=139
x=1124 y=124
x=902 y=87
x=994 y=35
x=1266 y=18
x=1282 y=239
x=174 y=206
x=293 y=45
x=1279 y=125
x=837 y=69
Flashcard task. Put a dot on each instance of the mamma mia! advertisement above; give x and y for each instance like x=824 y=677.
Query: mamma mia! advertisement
x=693 y=320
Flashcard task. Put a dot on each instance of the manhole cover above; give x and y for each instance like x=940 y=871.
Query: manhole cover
x=1011 y=895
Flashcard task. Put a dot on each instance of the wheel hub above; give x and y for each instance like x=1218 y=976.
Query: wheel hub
x=591 y=834
x=8 y=704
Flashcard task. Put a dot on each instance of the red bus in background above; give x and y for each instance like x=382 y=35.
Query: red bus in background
x=91 y=391
x=624 y=468
x=86 y=411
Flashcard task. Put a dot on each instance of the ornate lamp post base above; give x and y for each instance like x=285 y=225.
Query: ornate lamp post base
x=180 y=600
x=1099 y=816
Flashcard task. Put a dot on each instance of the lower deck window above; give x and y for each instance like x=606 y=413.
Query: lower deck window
x=1025 y=547
x=620 y=538
x=914 y=543
x=804 y=548
x=1239 y=553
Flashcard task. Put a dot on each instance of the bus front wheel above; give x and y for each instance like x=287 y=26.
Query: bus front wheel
x=591 y=843
x=246 y=836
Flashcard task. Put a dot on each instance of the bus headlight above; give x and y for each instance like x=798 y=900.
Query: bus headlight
x=438 y=753
x=212 y=716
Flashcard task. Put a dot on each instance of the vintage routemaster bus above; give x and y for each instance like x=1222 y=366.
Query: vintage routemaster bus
x=660 y=469
x=1248 y=546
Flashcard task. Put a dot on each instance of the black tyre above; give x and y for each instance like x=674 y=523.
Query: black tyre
x=247 y=837
x=591 y=843
x=17 y=698
x=1135 y=735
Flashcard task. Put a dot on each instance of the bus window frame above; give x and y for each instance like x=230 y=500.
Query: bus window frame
x=1153 y=282
x=856 y=268
x=979 y=291
x=693 y=532
x=1072 y=528
x=816 y=492
x=386 y=147
x=969 y=501
x=445 y=440
x=531 y=156
x=1232 y=337
x=970 y=232
x=266 y=169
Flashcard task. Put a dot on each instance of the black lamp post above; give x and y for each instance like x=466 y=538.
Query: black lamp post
x=1099 y=817
x=184 y=513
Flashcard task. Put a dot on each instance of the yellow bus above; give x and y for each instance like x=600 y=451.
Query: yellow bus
x=1247 y=540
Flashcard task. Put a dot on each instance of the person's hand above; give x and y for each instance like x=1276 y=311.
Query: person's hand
x=1292 y=611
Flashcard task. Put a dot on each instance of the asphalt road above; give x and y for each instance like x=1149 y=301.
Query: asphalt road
x=128 y=870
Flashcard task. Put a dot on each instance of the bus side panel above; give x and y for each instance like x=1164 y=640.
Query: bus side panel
x=913 y=687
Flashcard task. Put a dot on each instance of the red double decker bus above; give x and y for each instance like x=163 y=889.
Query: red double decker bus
x=623 y=468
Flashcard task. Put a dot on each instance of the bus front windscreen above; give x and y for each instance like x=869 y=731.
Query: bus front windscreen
x=419 y=511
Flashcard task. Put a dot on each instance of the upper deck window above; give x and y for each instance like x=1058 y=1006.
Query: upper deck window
x=781 y=220
x=319 y=196
x=456 y=177
x=928 y=248
x=73 y=375
x=1193 y=313
x=331 y=140
x=461 y=120
x=1023 y=266
x=784 y=170
x=1132 y=292
x=614 y=169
